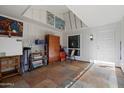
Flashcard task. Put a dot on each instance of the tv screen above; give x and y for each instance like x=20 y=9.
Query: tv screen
x=74 y=41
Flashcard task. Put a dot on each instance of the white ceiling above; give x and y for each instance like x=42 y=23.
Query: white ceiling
x=59 y=9
x=15 y=11
x=96 y=15
x=91 y=15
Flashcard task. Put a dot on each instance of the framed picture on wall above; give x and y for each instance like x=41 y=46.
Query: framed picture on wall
x=50 y=18
x=10 y=27
x=59 y=23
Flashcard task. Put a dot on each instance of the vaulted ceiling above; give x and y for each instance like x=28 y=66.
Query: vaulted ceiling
x=91 y=15
x=15 y=11
x=59 y=9
x=96 y=15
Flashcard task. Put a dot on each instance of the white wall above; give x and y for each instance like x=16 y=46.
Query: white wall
x=33 y=32
x=122 y=46
x=36 y=27
x=88 y=48
x=72 y=22
x=115 y=27
x=10 y=46
x=40 y=14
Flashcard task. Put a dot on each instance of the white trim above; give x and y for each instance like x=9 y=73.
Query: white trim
x=104 y=62
x=28 y=7
x=122 y=67
x=11 y=18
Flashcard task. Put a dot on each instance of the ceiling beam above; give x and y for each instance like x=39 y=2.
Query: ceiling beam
x=29 y=6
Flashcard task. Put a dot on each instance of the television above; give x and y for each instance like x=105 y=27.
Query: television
x=74 y=41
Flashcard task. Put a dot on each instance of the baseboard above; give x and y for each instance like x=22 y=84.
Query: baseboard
x=84 y=61
x=118 y=65
x=104 y=62
x=122 y=67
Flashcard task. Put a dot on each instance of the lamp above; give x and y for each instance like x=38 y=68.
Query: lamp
x=91 y=37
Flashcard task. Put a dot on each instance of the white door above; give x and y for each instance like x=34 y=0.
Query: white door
x=106 y=45
x=122 y=45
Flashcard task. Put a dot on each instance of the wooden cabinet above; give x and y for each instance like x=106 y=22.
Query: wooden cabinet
x=53 y=48
x=9 y=66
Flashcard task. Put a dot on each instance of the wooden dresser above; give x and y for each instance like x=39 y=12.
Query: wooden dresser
x=53 y=48
x=9 y=66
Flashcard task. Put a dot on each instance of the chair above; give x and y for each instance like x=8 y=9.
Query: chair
x=62 y=56
x=71 y=57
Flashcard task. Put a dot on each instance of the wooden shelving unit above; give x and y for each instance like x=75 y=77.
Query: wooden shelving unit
x=9 y=66
x=37 y=60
